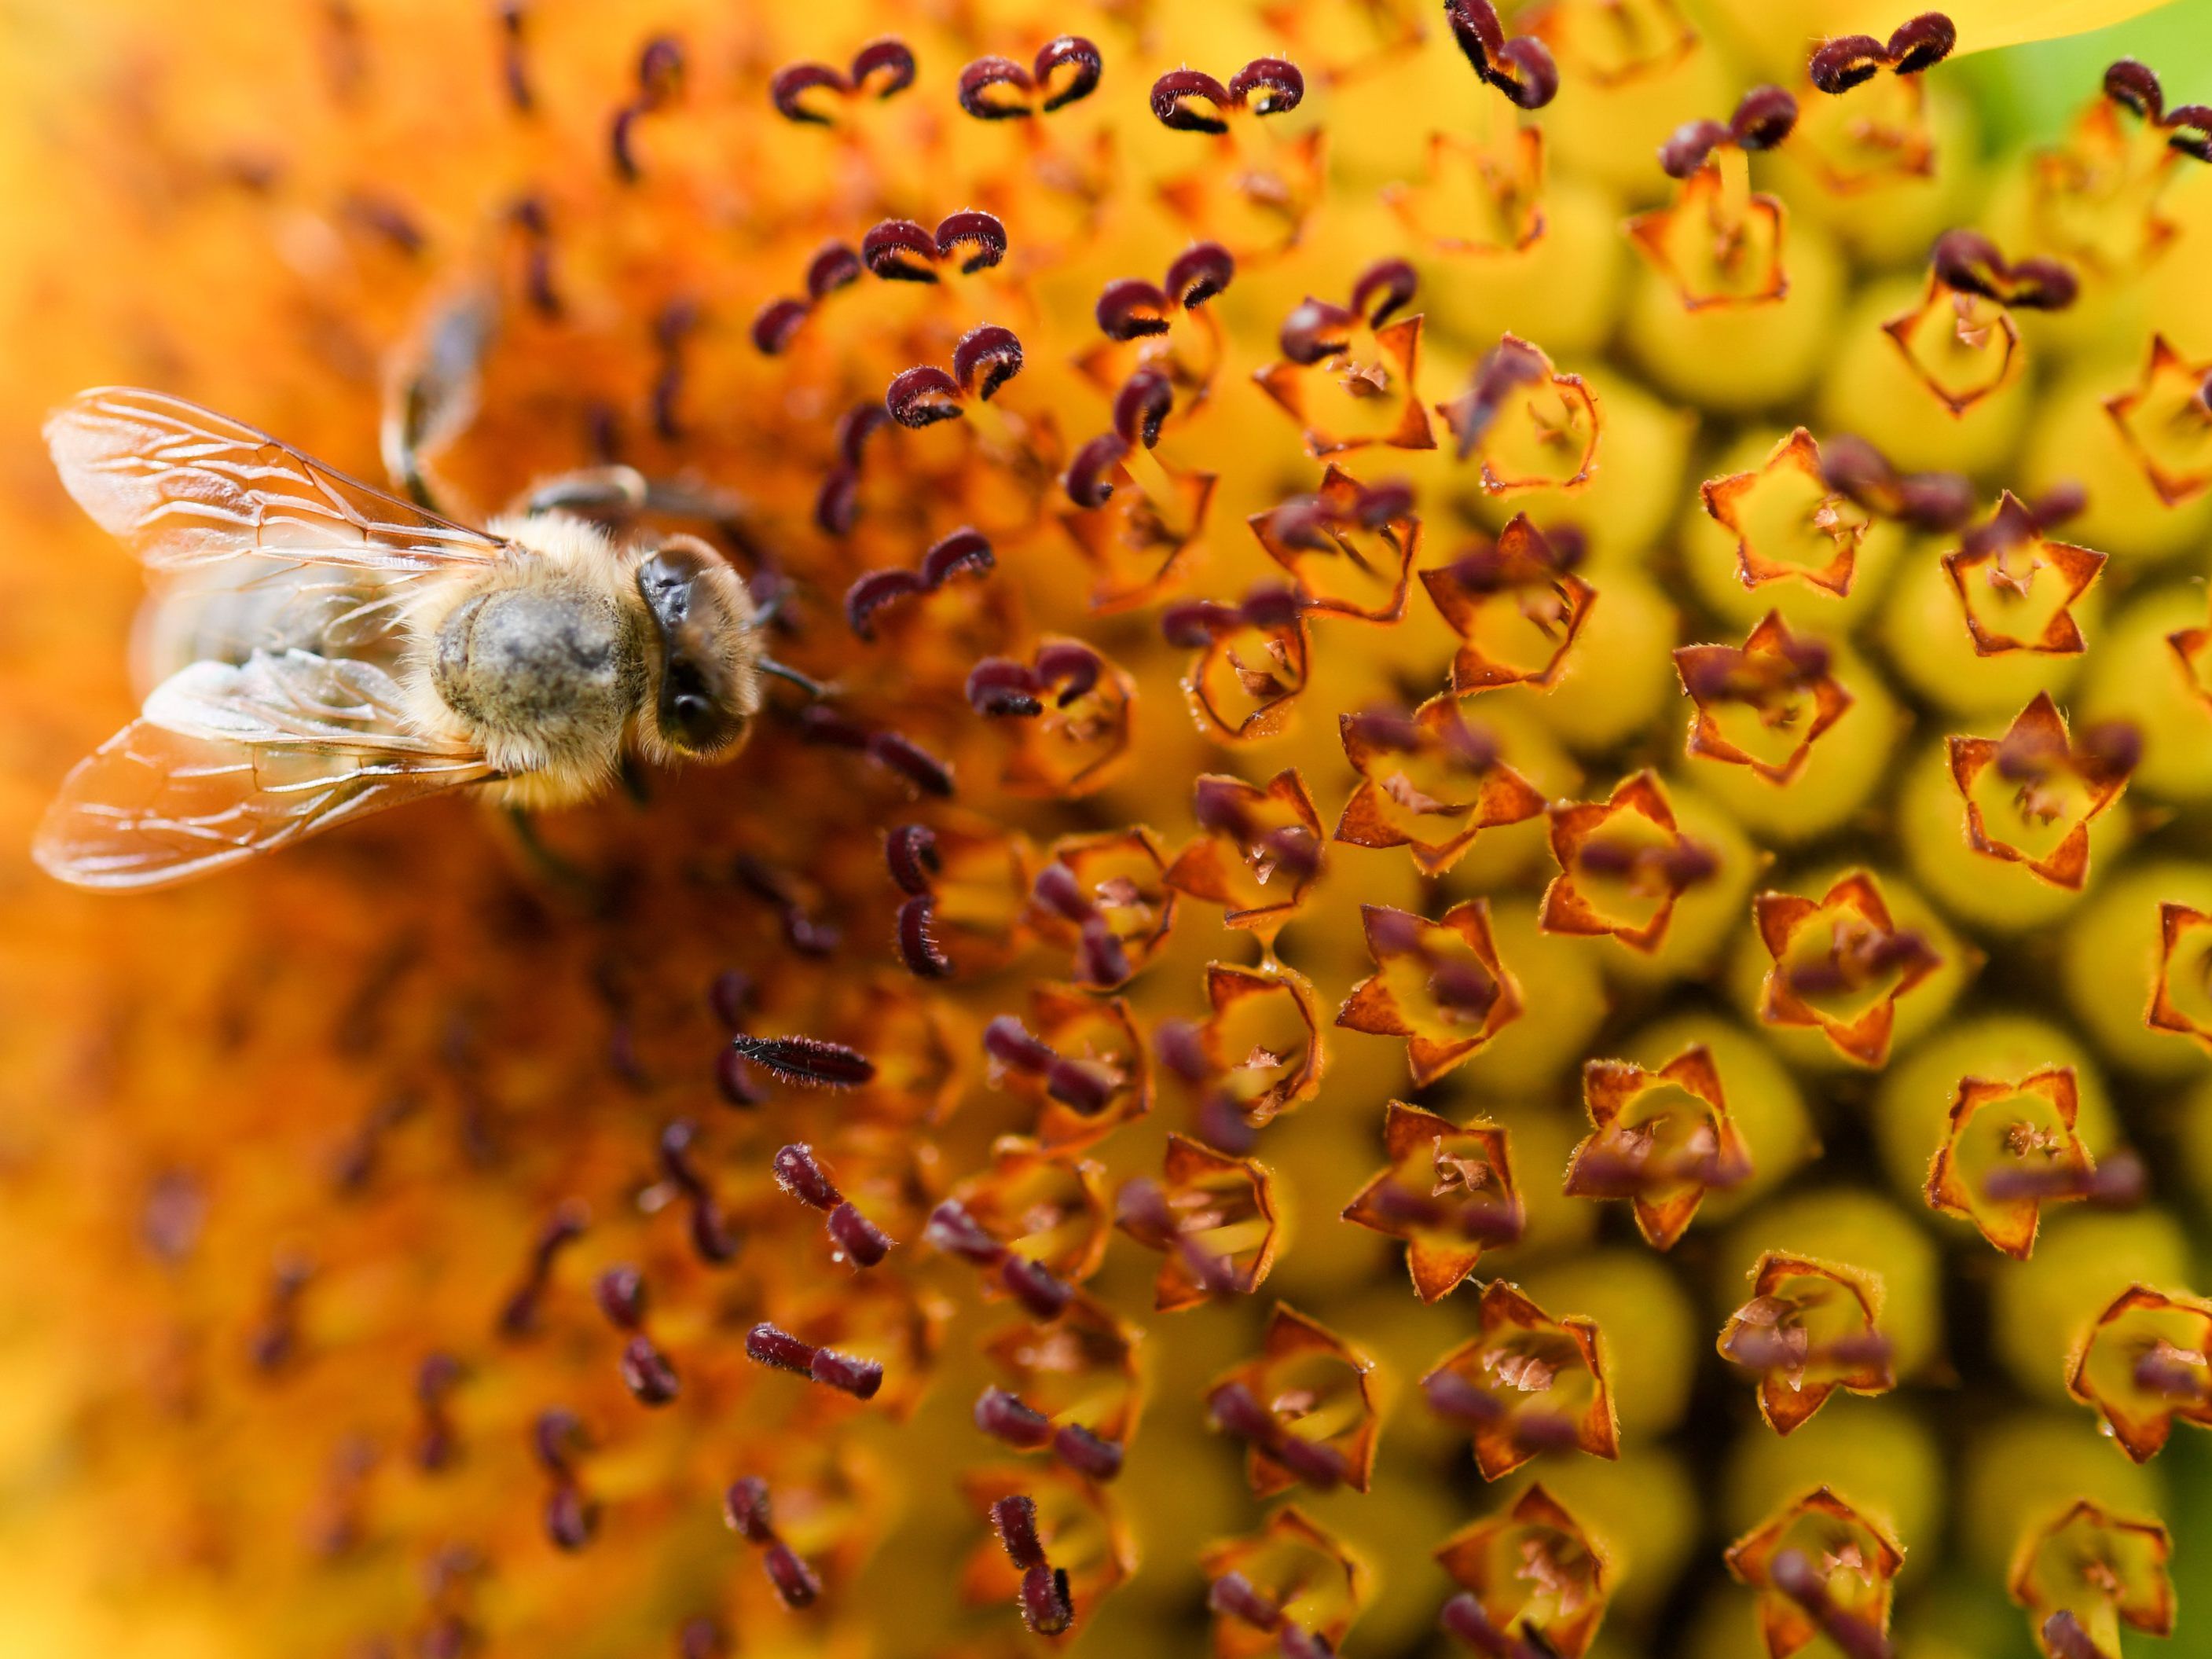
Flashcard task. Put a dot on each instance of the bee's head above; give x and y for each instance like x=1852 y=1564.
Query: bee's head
x=709 y=685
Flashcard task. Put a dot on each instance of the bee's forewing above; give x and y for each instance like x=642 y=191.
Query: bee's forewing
x=229 y=761
x=182 y=487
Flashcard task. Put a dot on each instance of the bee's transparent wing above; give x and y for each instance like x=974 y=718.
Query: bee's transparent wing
x=228 y=762
x=182 y=487
x=225 y=612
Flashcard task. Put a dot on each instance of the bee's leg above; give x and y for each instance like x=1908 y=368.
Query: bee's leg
x=437 y=396
x=633 y=780
x=678 y=498
x=562 y=871
x=613 y=492
x=402 y=457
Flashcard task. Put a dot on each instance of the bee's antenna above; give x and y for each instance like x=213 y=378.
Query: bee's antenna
x=765 y=614
x=813 y=688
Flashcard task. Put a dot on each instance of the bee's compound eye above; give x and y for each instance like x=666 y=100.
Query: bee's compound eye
x=690 y=706
x=665 y=581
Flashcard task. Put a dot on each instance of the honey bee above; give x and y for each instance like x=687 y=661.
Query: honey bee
x=319 y=650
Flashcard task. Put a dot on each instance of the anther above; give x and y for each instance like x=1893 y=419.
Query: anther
x=278 y=1335
x=672 y=327
x=911 y=852
x=1967 y=262
x=701 y=1637
x=529 y=216
x=1142 y=1210
x=1101 y=957
x=2065 y=1638
x=788 y=91
x=1220 y=1121
x=1764 y=1334
x=900 y=251
x=855 y=428
x=1067 y=70
x=767 y=1346
x=1845 y=62
x=895 y=753
x=350 y=1169
x=1383 y=289
x=801 y=932
x=1010 y=1044
x=385 y=218
x=985 y=359
x=1004 y=1416
x=734 y=1082
x=1176 y=95
x=1479 y=1221
x=620 y=1292
x=1089 y=478
x=2134 y=86
x=1922 y=42
x=1198 y=273
x=834 y=266
x=1131 y=308
x=858 y=1239
x=1142 y=404
x=515 y=68
x=571 y=1517
x=775 y=325
x=1221 y=807
x=1521 y=67
x=518 y=1316
x=996 y=89
x=745 y=1509
x=1452 y=1397
x=1686 y=148
x=884 y=67
x=1763 y=118
x=972 y=229
x=711 y=1236
x=1069 y=669
x=436 y=1445
x=1235 y=1410
x=955 y=1232
x=646 y=1371
x=1045 y=1604
x=659 y=78
x=1268 y=85
x=999 y=687
x=1504 y=368
x=1235 y=1596
x=729 y=996
x=1316 y=330
x=2165 y=1371
x=1926 y=501
x=923 y=395
x=1792 y=1572
x=807 y=1061
x=1464 y=1617
x=918 y=948
x=2121 y=1182
x=965 y=549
